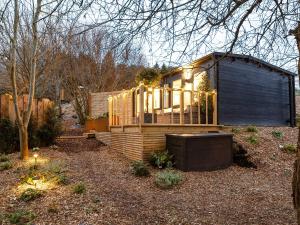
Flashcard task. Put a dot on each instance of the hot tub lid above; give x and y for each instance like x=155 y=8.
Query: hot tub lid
x=201 y=135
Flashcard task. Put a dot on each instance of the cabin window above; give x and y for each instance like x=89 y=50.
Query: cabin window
x=176 y=93
x=156 y=98
x=166 y=96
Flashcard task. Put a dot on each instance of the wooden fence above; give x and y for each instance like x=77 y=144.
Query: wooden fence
x=160 y=105
x=39 y=107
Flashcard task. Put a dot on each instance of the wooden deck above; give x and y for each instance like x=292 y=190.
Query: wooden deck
x=137 y=142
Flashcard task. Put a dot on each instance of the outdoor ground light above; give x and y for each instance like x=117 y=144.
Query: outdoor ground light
x=35 y=158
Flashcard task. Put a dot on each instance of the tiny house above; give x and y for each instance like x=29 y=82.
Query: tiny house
x=250 y=91
x=218 y=89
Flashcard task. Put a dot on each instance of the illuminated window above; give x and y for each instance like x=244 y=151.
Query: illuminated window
x=166 y=96
x=187 y=99
x=156 y=98
x=176 y=94
x=187 y=73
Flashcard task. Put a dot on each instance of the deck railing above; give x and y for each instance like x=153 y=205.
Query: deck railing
x=162 y=105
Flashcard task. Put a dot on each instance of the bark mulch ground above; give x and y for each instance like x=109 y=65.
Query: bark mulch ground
x=114 y=196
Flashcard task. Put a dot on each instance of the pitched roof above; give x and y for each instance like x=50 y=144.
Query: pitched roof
x=222 y=55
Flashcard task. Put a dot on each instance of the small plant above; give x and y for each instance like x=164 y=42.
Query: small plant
x=62 y=179
x=277 y=134
x=55 y=167
x=289 y=148
x=167 y=179
x=161 y=160
x=4 y=158
x=21 y=217
x=251 y=129
x=79 y=188
x=5 y=165
x=252 y=139
x=30 y=194
x=138 y=168
x=35 y=149
x=235 y=130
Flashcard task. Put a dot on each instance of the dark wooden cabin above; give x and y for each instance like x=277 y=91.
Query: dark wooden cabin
x=250 y=91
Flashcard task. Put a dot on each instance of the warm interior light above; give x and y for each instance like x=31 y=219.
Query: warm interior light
x=176 y=98
x=35 y=155
x=156 y=98
x=187 y=73
x=188 y=86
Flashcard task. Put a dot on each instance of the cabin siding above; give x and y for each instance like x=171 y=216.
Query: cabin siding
x=249 y=94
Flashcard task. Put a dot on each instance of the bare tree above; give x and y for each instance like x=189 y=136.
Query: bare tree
x=28 y=17
x=91 y=63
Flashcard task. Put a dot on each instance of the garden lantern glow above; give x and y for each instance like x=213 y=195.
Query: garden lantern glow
x=35 y=158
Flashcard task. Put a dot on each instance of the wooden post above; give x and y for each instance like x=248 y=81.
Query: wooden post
x=163 y=101
x=152 y=105
x=113 y=111
x=206 y=107
x=172 y=114
x=109 y=112
x=141 y=116
x=135 y=105
x=191 y=106
x=121 y=110
x=199 y=105
x=181 y=107
x=215 y=105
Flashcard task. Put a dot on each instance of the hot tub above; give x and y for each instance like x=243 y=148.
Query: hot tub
x=200 y=152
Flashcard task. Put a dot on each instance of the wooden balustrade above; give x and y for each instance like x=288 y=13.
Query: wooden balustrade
x=132 y=106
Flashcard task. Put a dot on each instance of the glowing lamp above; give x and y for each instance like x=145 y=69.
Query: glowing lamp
x=35 y=158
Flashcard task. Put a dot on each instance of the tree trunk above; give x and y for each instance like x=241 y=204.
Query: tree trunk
x=23 y=134
x=296 y=174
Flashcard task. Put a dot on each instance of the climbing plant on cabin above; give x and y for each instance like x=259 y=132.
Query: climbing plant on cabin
x=204 y=86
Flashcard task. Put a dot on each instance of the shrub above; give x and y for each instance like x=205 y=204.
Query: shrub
x=161 y=159
x=289 y=148
x=277 y=134
x=251 y=129
x=235 y=130
x=138 y=168
x=5 y=165
x=4 y=158
x=167 y=179
x=79 y=188
x=30 y=194
x=252 y=139
x=55 y=167
x=21 y=217
x=62 y=179
x=51 y=128
x=9 y=136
